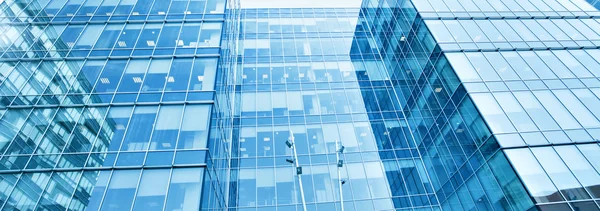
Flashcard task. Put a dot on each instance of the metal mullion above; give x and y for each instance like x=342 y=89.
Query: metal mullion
x=32 y=77
x=22 y=36
x=179 y=36
x=187 y=87
x=77 y=124
x=54 y=16
x=143 y=77
x=143 y=26
x=135 y=45
x=166 y=191
x=127 y=132
x=92 y=142
x=571 y=171
x=147 y=13
x=169 y=185
x=70 y=132
x=185 y=12
x=43 y=189
x=74 y=12
x=99 y=76
x=19 y=130
x=81 y=36
x=17 y=63
x=157 y=37
x=99 y=35
x=20 y=33
x=108 y=181
x=180 y=125
x=137 y=188
x=111 y=12
x=544 y=172
x=120 y=78
x=81 y=177
x=96 y=136
x=166 y=14
x=133 y=107
x=38 y=38
x=42 y=7
x=158 y=111
x=51 y=123
x=112 y=49
x=8 y=7
x=167 y=76
x=42 y=133
x=11 y=190
x=48 y=26
x=76 y=76
x=58 y=39
x=48 y=184
x=95 y=10
x=116 y=41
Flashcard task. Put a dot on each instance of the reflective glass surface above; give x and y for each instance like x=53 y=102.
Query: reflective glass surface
x=108 y=105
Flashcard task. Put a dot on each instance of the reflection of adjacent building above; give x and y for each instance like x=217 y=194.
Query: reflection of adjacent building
x=310 y=74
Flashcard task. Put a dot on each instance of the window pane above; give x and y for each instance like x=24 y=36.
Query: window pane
x=121 y=190
x=166 y=128
x=157 y=75
x=582 y=169
x=152 y=191
x=203 y=74
x=179 y=75
x=533 y=176
x=184 y=190
x=194 y=128
x=559 y=173
x=140 y=128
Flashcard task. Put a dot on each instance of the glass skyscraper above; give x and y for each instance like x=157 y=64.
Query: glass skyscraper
x=261 y=105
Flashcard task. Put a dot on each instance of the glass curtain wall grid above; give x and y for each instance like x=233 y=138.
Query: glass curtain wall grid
x=112 y=104
x=501 y=97
x=311 y=72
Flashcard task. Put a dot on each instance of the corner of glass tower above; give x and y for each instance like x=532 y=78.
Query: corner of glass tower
x=261 y=105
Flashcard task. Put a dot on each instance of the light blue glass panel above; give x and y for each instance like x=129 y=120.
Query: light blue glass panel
x=460 y=62
x=152 y=190
x=203 y=74
x=539 y=115
x=156 y=77
x=557 y=110
x=533 y=176
x=577 y=109
x=27 y=191
x=149 y=36
x=514 y=111
x=89 y=36
x=194 y=127
x=493 y=114
x=559 y=173
x=133 y=76
x=140 y=128
x=109 y=36
x=179 y=75
x=184 y=189
x=121 y=190
x=166 y=127
x=581 y=168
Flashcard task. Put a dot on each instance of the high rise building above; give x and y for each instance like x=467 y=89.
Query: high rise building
x=261 y=105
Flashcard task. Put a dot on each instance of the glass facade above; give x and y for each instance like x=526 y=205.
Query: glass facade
x=108 y=105
x=212 y=105
x=500 y=96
